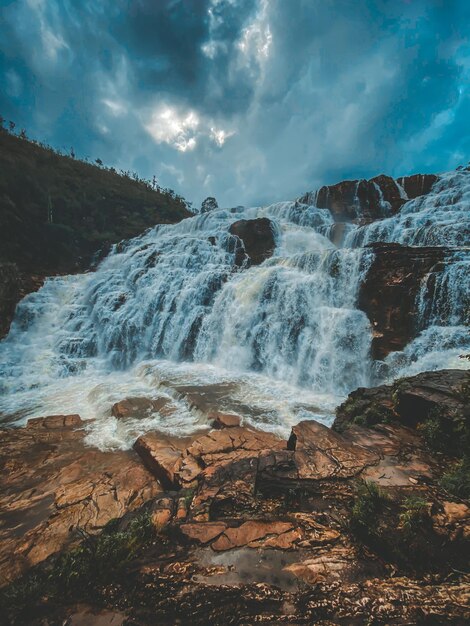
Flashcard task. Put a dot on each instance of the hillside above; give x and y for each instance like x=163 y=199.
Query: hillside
x=56 y=211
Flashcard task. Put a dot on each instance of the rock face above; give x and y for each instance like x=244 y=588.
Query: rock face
x=369 y=199
x=389 y=293
x=9 y=295
x=53 y=485
x=410 y=401
x=257 y=236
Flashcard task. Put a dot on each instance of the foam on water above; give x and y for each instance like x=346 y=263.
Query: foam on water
x=171 y=308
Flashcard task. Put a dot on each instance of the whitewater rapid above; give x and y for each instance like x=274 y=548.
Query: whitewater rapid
x=172 y=308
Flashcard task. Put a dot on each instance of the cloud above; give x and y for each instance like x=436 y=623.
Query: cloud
x=251 y=101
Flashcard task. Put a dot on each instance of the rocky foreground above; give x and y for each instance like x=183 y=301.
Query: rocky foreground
x=366 y=523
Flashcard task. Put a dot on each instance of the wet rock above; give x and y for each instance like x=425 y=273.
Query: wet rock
x=418 y=396
x=257 y=236
x=369 y=199
x=52 y=485
x=417 y=184
x=140 y=407
x=388 y=294
x=224 y=420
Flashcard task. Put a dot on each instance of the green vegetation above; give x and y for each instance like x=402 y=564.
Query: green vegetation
x=56 y=211
x=374 y=414
x=400 y=530
x=457 y=480
x=414 y=514
x=368 y=504
x=81 y=573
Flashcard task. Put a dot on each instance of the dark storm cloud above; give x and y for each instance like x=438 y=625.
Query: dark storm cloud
x=248 y=100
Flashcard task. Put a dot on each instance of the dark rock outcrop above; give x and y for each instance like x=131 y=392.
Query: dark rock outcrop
x=9 y=295
x=410 y=401
x=369 y=199
x=257 y=236
x=389 y=293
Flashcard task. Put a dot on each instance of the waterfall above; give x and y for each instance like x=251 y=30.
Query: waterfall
x=174 y=307
x=440 y=218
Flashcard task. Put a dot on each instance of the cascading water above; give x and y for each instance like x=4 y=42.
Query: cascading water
x=173 y=308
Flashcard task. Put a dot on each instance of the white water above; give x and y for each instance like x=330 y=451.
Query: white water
x=170 y=308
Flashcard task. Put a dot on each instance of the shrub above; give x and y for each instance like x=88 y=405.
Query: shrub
x=457 y=480
x=368 y=503
x=414 y=514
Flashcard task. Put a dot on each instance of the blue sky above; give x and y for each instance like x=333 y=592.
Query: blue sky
x=252 y=101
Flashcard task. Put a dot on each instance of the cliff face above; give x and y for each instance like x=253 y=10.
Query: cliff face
x=56 y=212
x=389 y=293
x=9 y=294
x=369 y=199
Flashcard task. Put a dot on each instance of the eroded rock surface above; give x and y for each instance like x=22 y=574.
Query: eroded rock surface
x=52 y=485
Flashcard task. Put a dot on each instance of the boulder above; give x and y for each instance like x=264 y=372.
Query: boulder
x=162 y=455
x=224 y=420
x=257 y=236
x=252 y=534
x=139 y=407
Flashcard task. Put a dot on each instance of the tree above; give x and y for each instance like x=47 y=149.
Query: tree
x=209 y=204
x=99 y=162
x=11 y=125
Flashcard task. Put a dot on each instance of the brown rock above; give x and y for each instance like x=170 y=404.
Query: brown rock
x=203 y=533
x=249 y=533
x=456 y=512
x=320 y=453
x=369 y=199
x=162 y=455
x=325 y=566
x=52 y=484
x=224 y=420
x=139 y=407
x=257 y=236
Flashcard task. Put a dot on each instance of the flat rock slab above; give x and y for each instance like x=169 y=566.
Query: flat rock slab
x=140 y=407
x=320 y=453
x=254 y=534
x=52 y=484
